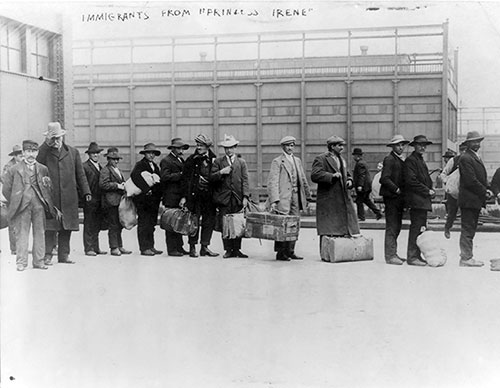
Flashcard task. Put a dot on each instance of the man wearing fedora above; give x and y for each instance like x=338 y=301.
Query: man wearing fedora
x=112 y=185
x=392 y=191
x=363 y=185
x=148 y=201
x=28 y=190
x=419 y=194
x=231 y=189
x=171 y=178
x=68 y=177
x=288 y=192
x=198 y=194
x=335 y=214
x=93 y=217
x=473 y=193
x=17 y=157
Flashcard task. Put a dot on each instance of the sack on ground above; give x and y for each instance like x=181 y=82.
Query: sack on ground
x=179 y=220
x=453 y=183
x=131 y=189
x=430 y=244
x=341 y=249
x=127 y=212
x=233 y=225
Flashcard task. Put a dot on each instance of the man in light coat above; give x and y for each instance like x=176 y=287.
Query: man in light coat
x=335 y=214
x=68 y=179
x=288 y=192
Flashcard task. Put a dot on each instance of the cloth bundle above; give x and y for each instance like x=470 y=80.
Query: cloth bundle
x=131 y=188
x=233 y=225
x=127 y=212
x=430 y=246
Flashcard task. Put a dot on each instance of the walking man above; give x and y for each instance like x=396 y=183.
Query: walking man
x=363 y=184
x=171 y=178
x=288 y=192
x=68 y=178
x=146 y=176
x=28 y=189
x=231 y=190
x=391 y=189
x=93 y=215
x=419 y=194
x=473 y=195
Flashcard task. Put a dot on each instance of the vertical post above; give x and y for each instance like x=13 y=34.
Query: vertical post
x=258 y=57
x=483 y=121
x=215 y=60
x=395 y=106
x=349 y=120
x=303 y=104
x=92 y=132
x=396 y=59
x=173 y=105
x=259 y=134
x=444 y=92
x=215 y=105
x=133 y=137
x=349 y=33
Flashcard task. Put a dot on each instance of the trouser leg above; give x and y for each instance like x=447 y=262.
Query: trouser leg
x=50 y=243
x=393 y=221
x=418 y=218
x=114 y=227
x=22 y=223
x=452 y=209
x=360 y=206
x=368 y=202
x=12 y=238
x=63 y=241
x=38 y=223
x=468 y=231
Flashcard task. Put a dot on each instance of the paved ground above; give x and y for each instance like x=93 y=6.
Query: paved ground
x=162 y=322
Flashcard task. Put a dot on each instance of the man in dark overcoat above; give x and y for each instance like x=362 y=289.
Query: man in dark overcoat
x=231 y=189
x=171 y=178
x=68 y=179
x=472 y=196
x=93 y=215
x=418 y=194
x=198 y=194
x=335 y=214
x=363 y=186
x=146 y=176
x=392 y=190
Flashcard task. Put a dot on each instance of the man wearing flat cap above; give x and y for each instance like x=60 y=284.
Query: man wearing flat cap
x=230 y=189
x=93 y=215
x=419 y=194
x=198 y=196
x=68 y=178
x=17 y=157
x=28 y=190
x=335 y=214
x=288 y=192
x=363 y=186
x=171 y=178
x=473 y=193
x=148 y=201
x=392 y=191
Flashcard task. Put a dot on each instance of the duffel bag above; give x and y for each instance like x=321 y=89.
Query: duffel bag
x=179 y=220
x=127 y=212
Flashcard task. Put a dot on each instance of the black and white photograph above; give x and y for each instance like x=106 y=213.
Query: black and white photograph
x=249 y=194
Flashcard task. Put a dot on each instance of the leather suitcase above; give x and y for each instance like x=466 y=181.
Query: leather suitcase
x=342 y=249
x=275 y=227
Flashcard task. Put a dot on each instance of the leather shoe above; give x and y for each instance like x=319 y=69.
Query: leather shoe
x=417 y=262
x=101 y=252
x=378 y=216
x=282 y=257
x=228 y=254
x=192 y=251
x=175 y=253
x=293 y=256
x=183 y=251
x=124 y=251
x=394 y=261
x=403 y=259
x=147 y=252
x=471 y=263
x=156 y=251
x=204 y=251
x=90 y=253
x=115 y=252
x=66 y=261
x=21 y=267
x=40 y=266
x=47 y=259
x=240 y=254
x=447 y=234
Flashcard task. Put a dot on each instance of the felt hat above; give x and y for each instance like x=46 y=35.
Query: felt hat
x=449 y=154
x=288 y=140
x=357 y=151
x=178 y=143
x=93 y=148
x=396 y=139
x=16 y=150
x=113 y=153
x=420 y=139
x=229 y=141
x=204 y=139
x=30 y=145
x=332 y=140
x=54 y=130
x=150 y=147
x=473 y=136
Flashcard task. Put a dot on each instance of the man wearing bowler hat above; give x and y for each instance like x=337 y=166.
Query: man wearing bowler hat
x=363 y=185
x=288 y=192
x=392 y=191
x=68 y=177
x=17 y=156
x=171 y=178
x=419 y=194
x=148 y=201
x=473 y=193
x=230 y=189
x=93 y=217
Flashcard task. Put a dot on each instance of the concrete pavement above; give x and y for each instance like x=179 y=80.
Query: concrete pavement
x=135 y=321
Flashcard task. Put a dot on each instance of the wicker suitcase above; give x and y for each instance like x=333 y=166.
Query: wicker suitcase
x=341 y=249
x=275 y=227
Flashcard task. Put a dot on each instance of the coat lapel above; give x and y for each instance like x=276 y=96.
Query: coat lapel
x=285 y=163
x=332 y=162
x=63 y=152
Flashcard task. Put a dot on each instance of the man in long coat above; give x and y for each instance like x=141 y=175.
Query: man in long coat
x=472 y=196
x=335 y=214
x=171 y=178
x=418 y=194
x=68 y=178
x=28 y=190
x=363 y=186
x=495 y=184
x=288 y=192
x=148 y=201
x=231 y=189
x=392 y=190
x=93 y=215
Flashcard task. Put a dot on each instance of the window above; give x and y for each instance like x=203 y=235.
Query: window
x=11 y=40
x=40 y=55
